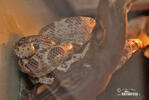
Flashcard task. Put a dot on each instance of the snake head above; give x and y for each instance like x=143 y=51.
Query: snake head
x=27 y=46
x=25 y=50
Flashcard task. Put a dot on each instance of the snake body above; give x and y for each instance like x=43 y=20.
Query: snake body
x=57 y=46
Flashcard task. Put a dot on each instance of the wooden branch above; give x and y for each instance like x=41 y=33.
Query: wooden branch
x=141 y=5
x=112 y=20
x=89 y=77
x=131 y=46
x=139 y=28
x=136 y=26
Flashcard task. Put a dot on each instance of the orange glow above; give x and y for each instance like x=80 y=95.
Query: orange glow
x=144 y=38
x=132 y=45
x=69 y=46
x=53 y=43
x=146 y=53
x=135 y=43
x=138 y=42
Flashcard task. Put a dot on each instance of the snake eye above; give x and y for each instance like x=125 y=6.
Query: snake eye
x=36 y=46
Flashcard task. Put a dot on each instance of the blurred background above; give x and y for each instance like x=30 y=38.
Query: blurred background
x=26 y=17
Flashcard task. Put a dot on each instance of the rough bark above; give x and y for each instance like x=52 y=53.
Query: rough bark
x=89 y=77
x=141 y=5
x=112 y=20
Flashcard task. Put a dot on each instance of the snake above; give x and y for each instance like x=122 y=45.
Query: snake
x=56 y=47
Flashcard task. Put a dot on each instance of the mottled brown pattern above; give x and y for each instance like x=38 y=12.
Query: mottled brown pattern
x=43 y=50
x=51 y=45
x=47 y=27
x=55 y=52
x=69 y=20
x=70 y=30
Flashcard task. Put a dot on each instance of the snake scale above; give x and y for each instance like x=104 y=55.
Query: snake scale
x=56 y=47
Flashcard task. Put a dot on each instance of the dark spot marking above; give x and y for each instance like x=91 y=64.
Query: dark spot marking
x=17 y=49
x=36 y=46
x=51 y=75
x=21 y=62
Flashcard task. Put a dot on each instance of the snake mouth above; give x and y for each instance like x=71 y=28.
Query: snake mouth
x=25 y=51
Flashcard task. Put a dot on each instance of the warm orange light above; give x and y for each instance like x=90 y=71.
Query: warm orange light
x=146 y=53
x=69 y=46
x=144 y=38
x=53 y=43
x=135 y=43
